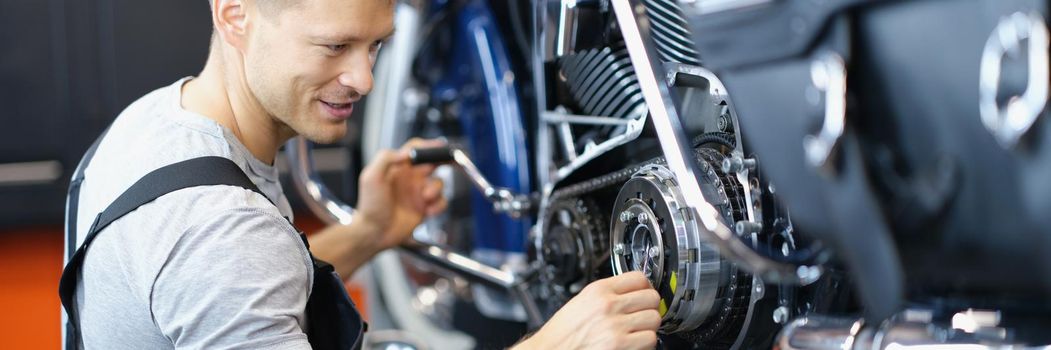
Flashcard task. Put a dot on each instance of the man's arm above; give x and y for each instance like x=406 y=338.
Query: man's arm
x=395 y=197
x=346 y=247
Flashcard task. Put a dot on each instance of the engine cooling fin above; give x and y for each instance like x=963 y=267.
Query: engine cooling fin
x=603 y=82
x=670 y=34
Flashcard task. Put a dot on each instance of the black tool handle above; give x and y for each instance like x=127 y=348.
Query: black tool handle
x=431 y=155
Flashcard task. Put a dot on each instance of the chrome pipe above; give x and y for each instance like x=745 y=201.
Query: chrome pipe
x=845 y=333
x=326 y=206
x=460 y=264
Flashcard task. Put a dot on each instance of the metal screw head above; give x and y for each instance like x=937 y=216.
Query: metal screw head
x=626 y=216
x=780 y=315
x=644 y=219
x=723 y=124
x=654 y=252
x=618 y=249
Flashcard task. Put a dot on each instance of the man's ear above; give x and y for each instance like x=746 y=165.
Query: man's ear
x=230 y=18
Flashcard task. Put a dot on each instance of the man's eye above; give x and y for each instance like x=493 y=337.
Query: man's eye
x=336 y=48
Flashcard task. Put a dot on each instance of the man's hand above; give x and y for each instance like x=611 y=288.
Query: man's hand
x=395 y=196
x=619 y=312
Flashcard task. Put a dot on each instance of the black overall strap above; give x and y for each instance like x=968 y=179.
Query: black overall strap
x=204 y=171
x=73 y=340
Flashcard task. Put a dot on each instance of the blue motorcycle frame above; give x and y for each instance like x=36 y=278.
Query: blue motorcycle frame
x=480 y=78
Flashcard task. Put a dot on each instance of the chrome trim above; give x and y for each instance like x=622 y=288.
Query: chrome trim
x=634 y=26
x=819 y=332
x=558 y=117
x=307 y=183
x=1010 y=123
x=828 y=74
x=561 y=120
x=718 y=90
x=706 y=7
x=567 y=28
x=503 y=199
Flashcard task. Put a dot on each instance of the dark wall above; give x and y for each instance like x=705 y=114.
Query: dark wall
x=68 y=67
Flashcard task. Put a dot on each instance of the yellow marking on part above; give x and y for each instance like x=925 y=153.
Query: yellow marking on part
x=674 y=278
x=663 y=308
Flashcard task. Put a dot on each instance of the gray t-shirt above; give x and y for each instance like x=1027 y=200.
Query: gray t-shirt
x=211 y=267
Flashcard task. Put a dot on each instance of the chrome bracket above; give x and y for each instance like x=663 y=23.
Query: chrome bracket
x=828 y=74
x=1009 y=123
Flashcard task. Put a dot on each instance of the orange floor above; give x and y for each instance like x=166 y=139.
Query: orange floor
x=30 y=266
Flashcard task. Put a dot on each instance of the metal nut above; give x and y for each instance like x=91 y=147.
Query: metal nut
x=780 y=315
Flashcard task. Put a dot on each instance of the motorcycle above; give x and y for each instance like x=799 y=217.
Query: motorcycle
x=718 y=147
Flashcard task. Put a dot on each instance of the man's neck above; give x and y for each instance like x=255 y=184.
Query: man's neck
x=224 y=97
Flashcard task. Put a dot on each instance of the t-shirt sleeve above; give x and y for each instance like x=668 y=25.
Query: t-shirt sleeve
x=237 y=280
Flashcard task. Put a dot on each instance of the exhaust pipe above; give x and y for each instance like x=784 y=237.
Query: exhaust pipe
x=971 y=330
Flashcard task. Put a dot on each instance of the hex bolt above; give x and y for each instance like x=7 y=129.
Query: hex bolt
x=745 y=227
x=618 y=249
x=736 y=164
x=626 y=216
x=781 y=315
x=654 y=252
x=644 y=218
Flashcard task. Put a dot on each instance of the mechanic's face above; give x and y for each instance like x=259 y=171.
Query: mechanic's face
x=308 y=64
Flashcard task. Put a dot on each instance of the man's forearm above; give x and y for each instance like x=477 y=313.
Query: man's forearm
x=345 y=247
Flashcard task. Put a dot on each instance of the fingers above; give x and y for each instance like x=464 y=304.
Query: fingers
x=416 y=142
x=645 y=320
x=433 y=200
x=437 y=207
x=641 y=340
x=383 y=162
x=640 y=300
x=628 y=282
x=432 y=190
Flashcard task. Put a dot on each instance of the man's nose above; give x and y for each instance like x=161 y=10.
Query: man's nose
x=357 y=74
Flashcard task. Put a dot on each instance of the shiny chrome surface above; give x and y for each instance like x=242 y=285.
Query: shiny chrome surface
x=718 y=91
x=504 y=201
x=643 y=228
x=1009 y=123
x=820 y=333
x=307 y=183
x=634 y=26
x=567 y=28
x=829 y=75
x=704 y=7
x=817 y=332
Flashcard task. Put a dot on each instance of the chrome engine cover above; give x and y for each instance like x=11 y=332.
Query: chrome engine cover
x=654 y=232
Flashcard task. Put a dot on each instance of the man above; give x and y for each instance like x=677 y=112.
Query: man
x=220 y=266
